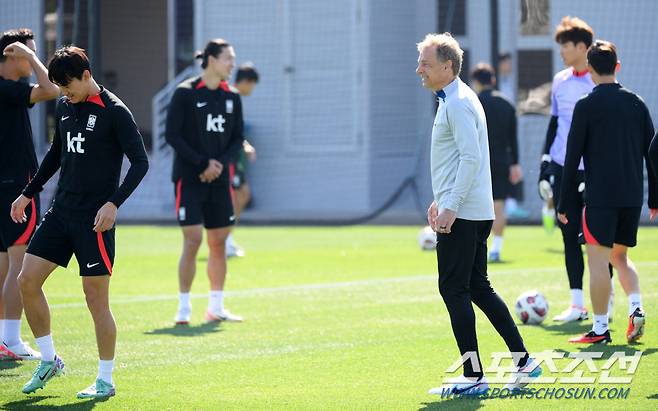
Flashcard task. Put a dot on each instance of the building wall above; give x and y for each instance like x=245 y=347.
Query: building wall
x=303 y=117
x=133 y=39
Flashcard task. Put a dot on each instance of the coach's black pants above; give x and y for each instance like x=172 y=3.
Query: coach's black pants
x=462 y=261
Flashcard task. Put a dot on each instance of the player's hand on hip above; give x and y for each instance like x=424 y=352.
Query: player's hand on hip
x=17 y=212
x=432 y=213
x=563 y=218
x=515 y=174
x=105 y=217
x=653 y=212
x=445 y=220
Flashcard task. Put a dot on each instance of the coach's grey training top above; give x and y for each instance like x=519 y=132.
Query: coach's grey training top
x=461 y=175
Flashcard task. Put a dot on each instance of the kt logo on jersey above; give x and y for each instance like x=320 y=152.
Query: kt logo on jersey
x=215 y=124
x=74 y=144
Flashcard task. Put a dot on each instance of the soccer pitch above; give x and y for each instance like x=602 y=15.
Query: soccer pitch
x=336 y=318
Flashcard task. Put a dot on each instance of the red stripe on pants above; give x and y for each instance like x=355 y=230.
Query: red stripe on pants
x=25 y=237
x=101 y=247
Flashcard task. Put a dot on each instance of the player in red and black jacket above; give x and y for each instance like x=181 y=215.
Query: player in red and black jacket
x=18 y=163
x=205 y=129
x=93 y=132
x=611 y=130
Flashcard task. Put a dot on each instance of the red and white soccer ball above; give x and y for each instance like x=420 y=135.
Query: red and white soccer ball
x=427 y=239
x=531 y=307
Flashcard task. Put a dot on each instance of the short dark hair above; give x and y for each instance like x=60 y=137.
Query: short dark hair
x=213 y=48
x=575 y=30
x=12 y=36
x=68 y=63
x=484 y=74
x=247 y=72
x=602 y=56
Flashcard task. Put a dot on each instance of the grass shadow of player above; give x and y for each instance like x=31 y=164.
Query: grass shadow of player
x=571 y=328
x=460 y=404
x=8 y=365
x=182 y=330
x=652 y=397
x=554 y=251
x=32 y=403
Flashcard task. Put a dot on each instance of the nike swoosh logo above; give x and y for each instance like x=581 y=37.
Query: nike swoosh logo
x=43 y=377
x=64 y=118
x=92 y=265
x=199 y=105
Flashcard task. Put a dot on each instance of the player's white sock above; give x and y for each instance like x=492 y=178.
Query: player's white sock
x=216 y=301
x=12 y=332
x=497 y=244
x=577 y=297
x=600 y=324
x=229 y=241
x=634 y=301
x=105 y=368
x=46 y=347
x=184 y=301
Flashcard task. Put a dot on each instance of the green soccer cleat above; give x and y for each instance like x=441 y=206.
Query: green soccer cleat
x=100 y=389
x=44 y=372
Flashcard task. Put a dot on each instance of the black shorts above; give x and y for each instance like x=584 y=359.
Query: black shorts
x=12 y=234
x=198 y=203
x=501 y=186
x=58 y=237
x=611 y=225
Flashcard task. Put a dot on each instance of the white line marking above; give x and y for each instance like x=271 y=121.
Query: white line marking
x=314 y=287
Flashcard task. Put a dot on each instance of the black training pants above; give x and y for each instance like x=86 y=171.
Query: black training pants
x=462 y=261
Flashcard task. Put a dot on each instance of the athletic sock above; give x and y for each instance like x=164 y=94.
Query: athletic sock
x=497 y=244
x=105 y=368
x=600 y=325
x=634 y=301
x=12 y=332
x=46 y=347
x=216 y=302
x=184 y=301
x=577 y=297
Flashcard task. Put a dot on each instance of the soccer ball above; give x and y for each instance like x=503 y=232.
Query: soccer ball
x=427 y=239
x=531 y=307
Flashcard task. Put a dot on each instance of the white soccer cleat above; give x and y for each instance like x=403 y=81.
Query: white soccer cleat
x=573 y=313
x=183 y=316
x=22 y=351
x=233 y=250
x=225 y=315
x=524 y=375
x=462 y=385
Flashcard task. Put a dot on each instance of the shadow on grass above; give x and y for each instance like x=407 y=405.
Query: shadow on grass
x=652 y=397
x=571 y=328
x=8 y=365
x=460 y=404
x=32 y=403
x=187 y=330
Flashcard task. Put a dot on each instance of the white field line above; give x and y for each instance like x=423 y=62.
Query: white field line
x=314 y=287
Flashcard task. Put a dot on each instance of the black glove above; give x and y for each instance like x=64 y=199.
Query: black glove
x=543 y=168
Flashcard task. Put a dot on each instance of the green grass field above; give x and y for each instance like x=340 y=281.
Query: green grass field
x=336 y=318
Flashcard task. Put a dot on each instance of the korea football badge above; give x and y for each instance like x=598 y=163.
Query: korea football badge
x=91 y=122
x=229 y=106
